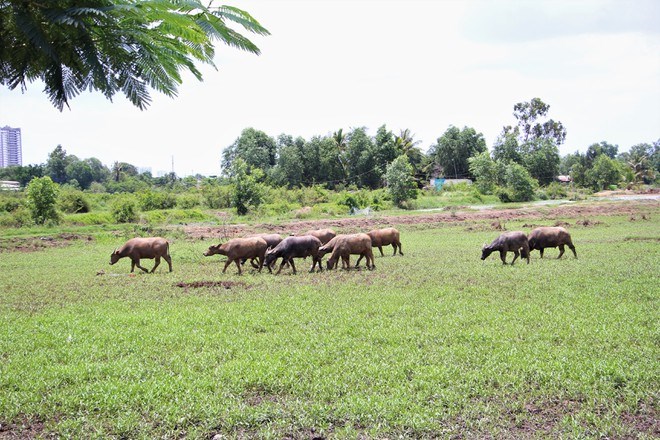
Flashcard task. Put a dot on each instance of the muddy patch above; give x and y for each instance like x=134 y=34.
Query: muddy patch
x=457 y=216
x=36 y=244
x=23 y=429
x=227 y=285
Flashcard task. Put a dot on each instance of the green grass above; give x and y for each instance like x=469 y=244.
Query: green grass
x=432 y=344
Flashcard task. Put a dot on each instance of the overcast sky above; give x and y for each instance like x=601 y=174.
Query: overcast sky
x=420 y=65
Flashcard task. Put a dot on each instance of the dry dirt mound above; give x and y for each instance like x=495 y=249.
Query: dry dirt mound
x=34 y=244
x=494 y=216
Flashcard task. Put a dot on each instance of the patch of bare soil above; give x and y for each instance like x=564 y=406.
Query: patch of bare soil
x=212 y=284
x=635 y=209
x=25 y=429
x=35 y=244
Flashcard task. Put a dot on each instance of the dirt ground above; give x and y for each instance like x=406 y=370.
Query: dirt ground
x=581 y=214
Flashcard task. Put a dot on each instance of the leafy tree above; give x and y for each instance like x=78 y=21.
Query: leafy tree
x=361 y=162
x=121 y=170
x=531 y=126
x=567 y=162
x=533 y=142
x=341 y=145
x=644 y=161
x=330 y=171
x=506 y=148
x=454 y=148
x=406 y=144
x=290 y=166
x=605 y=172
x=42 y=200
x=596 y=150
x=578 y=174
x=486 y=172
x=81 y=171
x=400 y=181
x=113 y=46
x=520 y=185
x=246 y=191
x=541 y=159
x=56 y=165
x=254 y=147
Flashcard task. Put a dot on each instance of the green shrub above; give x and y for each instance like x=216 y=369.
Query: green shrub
x=188 y=201
x=42 y=199
x=217 y=196
x=18 y=218
x=124 y=209
x=10 y=202
x=152 y=200
x=556 y=190
x=73 y=201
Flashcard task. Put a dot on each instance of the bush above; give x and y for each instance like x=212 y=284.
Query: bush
x=9 y=203
x=152 y=200
x=520 y=185
x=73 y=201
x=20 y=217
x=124 y=209
x=217 y=196
x=42 y=199
x=556 y=190
x=400 y=180
x=188 y=201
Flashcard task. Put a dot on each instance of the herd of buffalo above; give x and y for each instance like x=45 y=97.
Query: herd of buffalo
x=264 y=249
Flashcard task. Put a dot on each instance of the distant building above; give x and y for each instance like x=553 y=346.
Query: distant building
x=9 y=185
x=11 y=151
x=439 y=182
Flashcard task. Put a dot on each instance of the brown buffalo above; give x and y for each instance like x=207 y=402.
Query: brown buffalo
x=385 y=237
x=272 y=240
x=138 y=248
x=345 y=245
x=325 y=235
x=550 y=237
x=238 y=248
x=514 y=241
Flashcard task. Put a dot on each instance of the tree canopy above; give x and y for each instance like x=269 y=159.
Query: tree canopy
x=112 y=46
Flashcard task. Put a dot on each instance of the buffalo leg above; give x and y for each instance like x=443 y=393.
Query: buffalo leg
x=571 y=247
x=516 y=254
x=357 y=263
x=525 y=252
x=238 y=264
x=399 y=245
x=370 y=256
x=316 y=260
x=561 y=251
x=346 y=262
x=255 y=264
x=137 y=263
x=503 y=256
x=541 y=251
x=169 y=261
x=227 y=263
x=380 y=248
x=156 y=265
x=293 y=266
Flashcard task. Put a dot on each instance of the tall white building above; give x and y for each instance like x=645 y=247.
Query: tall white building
x=11 y=151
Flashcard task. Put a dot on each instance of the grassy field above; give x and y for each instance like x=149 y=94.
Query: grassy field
x=433 y=344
